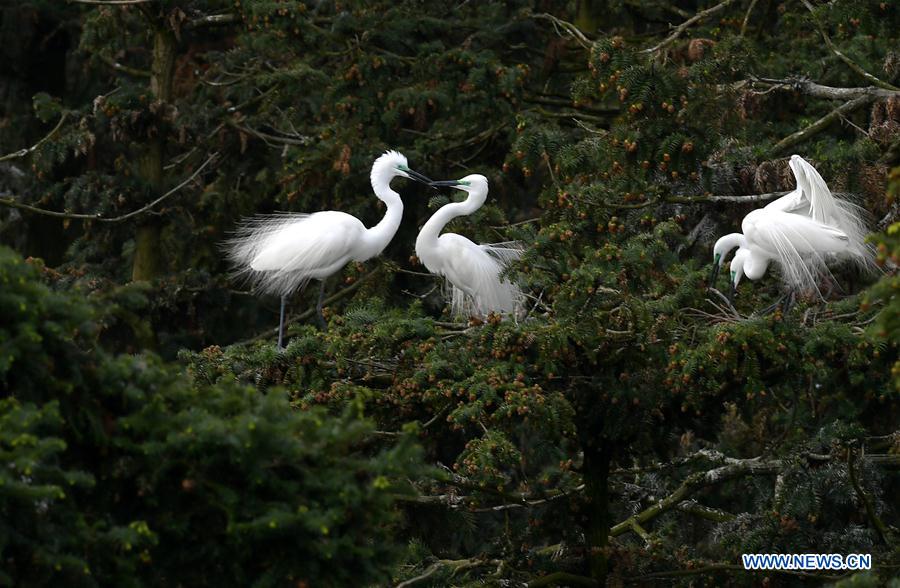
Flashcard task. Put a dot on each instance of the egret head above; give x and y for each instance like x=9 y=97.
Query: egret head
x=474 y=184
x=724 y=246
x=720 y=250
x=391 y=165
x=738 y=267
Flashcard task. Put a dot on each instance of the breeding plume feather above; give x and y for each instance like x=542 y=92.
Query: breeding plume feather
x=280 y=253
x=476 y=284
x=802 y=232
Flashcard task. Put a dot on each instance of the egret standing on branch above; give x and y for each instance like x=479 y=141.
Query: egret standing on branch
x=280 y=253
x=800 y=231
x=474 y=271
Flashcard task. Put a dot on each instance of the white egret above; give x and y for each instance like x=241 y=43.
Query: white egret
x=280 y=253
x=812 y=199
x=800 y=231
x=474 y=272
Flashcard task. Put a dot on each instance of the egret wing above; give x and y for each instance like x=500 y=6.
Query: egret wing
x=798 y=243
x=475 y=274
x=279 y=253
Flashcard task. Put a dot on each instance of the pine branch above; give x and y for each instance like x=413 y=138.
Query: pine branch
x=821 y=124
x=849 y=62
x=33 y=148
x=97 y=217
x=684 y=26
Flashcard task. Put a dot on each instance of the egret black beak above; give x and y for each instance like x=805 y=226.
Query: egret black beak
x=414 y=175
x=451 y=183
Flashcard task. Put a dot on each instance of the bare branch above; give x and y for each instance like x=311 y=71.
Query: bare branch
x=725 y=198
x=144 y=209
x=815 y=90
x=849 y=62
x=696 y=481
x=747 y=16
x=821 y=124
x=97 y=217
x=33 y=148
x=132 y=71
x=213 y=20
x=683 y=26
x=568 y=27
x=267 y=138
x=455 y=565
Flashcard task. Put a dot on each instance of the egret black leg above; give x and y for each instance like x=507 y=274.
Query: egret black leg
x=319 y=316
x=772 y=307
x=281 y=324
x=789 y=303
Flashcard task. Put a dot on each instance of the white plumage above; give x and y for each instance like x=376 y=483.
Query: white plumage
x=801 y=232
x=280 y=253
x=474 y=273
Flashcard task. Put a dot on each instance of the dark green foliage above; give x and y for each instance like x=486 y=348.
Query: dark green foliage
x=130 y=462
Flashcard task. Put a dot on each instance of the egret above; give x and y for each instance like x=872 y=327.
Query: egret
x=800 y=232
x=280 y=253
x=811 y=198
x=474 y=272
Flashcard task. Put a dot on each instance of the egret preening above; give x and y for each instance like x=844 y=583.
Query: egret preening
x=280 y=253
x=800 y=232
x=474 y=272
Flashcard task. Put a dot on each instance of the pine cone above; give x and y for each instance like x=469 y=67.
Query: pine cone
x=766 y=177
x=697 y=48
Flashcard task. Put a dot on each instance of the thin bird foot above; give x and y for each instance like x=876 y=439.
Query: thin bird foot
x=772 y=307
x=281 y=325
x=784 y=303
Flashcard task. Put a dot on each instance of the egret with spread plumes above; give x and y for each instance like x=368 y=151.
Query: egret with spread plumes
x=280 y=253
x=801 y=232
x=474 y=272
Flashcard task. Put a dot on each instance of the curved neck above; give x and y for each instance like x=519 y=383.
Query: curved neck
x=432 y=229
x=725 y=244
x=378 y=237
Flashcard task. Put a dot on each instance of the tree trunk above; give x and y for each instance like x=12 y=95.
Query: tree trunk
x=596 y=481
x=147 y=263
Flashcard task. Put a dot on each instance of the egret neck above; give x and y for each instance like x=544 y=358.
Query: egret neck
x=428 y=236
x=378 y=237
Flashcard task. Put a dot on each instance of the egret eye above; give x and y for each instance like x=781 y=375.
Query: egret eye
x=464 y=183
x=717 y=257
x=402 y=168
